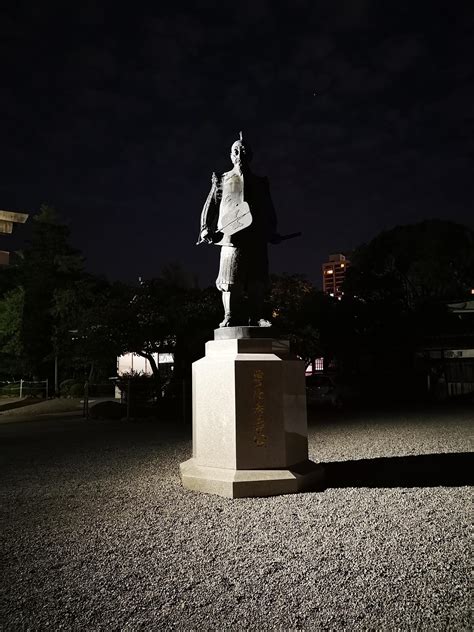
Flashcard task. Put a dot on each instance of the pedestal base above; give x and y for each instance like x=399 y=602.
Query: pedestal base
x=250 y=434
x=305 y=476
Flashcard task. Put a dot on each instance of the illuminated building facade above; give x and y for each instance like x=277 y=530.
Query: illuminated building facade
x=334 y=273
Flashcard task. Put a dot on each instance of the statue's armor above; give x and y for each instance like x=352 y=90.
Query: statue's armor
x=244 y=257
x=232 y=194
x=234 y=212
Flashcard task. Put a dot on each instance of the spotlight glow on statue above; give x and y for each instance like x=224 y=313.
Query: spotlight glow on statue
x=238 y=216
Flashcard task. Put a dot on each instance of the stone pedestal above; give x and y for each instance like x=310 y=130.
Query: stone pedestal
x=249 y=419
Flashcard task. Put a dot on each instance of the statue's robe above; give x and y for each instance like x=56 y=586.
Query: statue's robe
x=244 y=257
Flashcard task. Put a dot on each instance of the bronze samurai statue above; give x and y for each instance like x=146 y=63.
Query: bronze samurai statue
x=238 y=216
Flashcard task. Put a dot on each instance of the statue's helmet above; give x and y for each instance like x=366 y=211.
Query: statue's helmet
x=240 y=151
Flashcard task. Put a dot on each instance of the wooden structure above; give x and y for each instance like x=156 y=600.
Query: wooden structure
x=7 y=221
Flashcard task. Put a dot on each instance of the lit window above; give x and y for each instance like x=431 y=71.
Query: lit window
x=472 y=291
x=331 y=293
x=343 y=265
x=329 y=271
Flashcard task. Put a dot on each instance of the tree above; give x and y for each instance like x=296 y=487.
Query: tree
x=71 y=310
x=415 y=264
x=298 y=310
x=397 y=290
x=403 y=279
x=156 y=316
x=11 y=318
x=48 y=265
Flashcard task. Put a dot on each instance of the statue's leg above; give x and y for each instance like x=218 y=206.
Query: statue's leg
x=231 y=300
x=226 y=301
x=228 y=282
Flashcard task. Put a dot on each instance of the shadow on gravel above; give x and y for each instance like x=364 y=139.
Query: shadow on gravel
x=426 y=470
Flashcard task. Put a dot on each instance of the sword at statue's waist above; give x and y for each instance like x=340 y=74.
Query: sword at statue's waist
x=289 y=236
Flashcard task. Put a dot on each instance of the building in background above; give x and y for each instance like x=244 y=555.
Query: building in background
x=7 y=220
x=447 y=358
x=132 y=363
x=334 y=274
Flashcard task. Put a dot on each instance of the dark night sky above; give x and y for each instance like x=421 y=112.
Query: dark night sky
x=359 y=111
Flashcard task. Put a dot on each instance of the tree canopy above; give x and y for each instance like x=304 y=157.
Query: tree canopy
x=411 y=265
x=48 y=266
x=50 y=307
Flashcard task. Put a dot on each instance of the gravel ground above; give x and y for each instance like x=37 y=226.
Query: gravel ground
x=98 y=534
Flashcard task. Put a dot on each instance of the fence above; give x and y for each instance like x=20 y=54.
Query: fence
x=139 y=397
x=93 y=391
x=24 y=388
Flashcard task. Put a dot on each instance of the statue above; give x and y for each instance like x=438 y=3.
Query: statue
x=238 y=216
x=251 y=440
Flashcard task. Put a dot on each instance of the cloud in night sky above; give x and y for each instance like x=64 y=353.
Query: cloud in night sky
x=360 y=113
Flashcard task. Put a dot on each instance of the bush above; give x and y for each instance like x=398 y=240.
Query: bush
x=10 y=390
x=76 y=390
x=65 y=387
x=143 y=389
x=102 y=390
x=107 y=410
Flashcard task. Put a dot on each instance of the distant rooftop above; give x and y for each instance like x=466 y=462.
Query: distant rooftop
x=462 y=308
x=9 y=218
x=337 y=257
